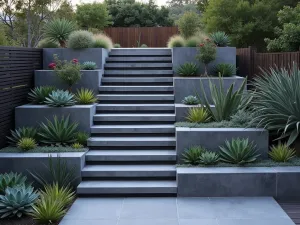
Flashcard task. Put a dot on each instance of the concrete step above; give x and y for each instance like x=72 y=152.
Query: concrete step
x=127 y=187
x=129 y=171
x=136 y=97
x=139 y=59
x=141 y=52
x=135 y=107
x=130 y=155
x=138 y=73
x=131 y=141
x=136 y=88
x=134 y=117
x=111 y=129
x=136 y=80
x=130 y=65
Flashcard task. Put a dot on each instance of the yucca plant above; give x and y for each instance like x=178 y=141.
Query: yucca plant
x=88 y=65
x=227 y=103
x=22 y=132
x=85 y=96
x=276 y=99
x=26 y=144
x=198 y=115
x=209 y=158
x=60 y=131
x=238 y=151
x=58 y=30
x=220 y=38
x=224 y=70
x=191 y=156
x=38 y=94
x=60 y=98
x=63 y=194
x=17 y=201
x=187 y=70
x=81 y=138
x=282 y=153
x=11 y=180
x=190 y=100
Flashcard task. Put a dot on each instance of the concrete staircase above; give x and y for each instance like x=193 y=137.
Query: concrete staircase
x=132 y=148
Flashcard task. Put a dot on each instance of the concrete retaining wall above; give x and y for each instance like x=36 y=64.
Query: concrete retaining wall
x=212 y=138
x=33 y=115
x=90 y=79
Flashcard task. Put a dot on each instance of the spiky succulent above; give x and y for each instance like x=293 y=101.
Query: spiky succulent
x=238 y=151
x=26 y=144
x=190 y=100
x=77 y=146
x=282 y=153
x=187 y=70
x=197 y=115
x=38 y=94
x=11 y=180
x=17 y=201
x=191 y=156
x=85 y=96
x=81 y=138
x=224 y=70
x=22 y=132
x=209 y=158
x=89 y=65
x=60 y=98
x=220 y=38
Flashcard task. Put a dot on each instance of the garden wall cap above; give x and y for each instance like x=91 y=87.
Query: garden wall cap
x=212 y=78
x=224 y=170
x=42 y=155
x=46 y=106
x=219 y=129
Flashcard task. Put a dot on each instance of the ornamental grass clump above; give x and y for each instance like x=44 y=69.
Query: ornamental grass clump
x=207 y=53
x=85 y=96
x=176 y=41
x=103 y=41
x=81 y=39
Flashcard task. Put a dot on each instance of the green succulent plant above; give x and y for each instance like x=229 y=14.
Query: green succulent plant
x=198 y=115
x=224 y=70
x=220 y=38
x=89 y=65
x=209 y=158
x=60 y=98
x=17 y=201
x=82 y=137
x=85 y=96
x=38 y=94
x=22 y=132
x=282 y=153
x=190 y=100
x=26 y=144
x=144 y=46
x=117 y=45
x=238 y=151
x=11 y=180
x=77 y=146
x=187 y=70
x=191 y=156
x=60 y=131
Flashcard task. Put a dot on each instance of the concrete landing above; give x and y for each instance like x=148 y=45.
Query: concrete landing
x=176 y=211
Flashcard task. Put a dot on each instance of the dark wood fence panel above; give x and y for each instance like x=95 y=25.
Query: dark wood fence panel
x=17 y=67
x=128 y=37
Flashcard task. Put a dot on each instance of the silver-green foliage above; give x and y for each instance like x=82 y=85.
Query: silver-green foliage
x=187 y=70
x=238 y=151
x=17 y=201
x=22 y=132
x=88 y=65
x=277 y=100
x=60 y=98
x=224 y=70
x=220 y=38
x=11 y=180
x=38 y=94
x=209 y=158
x=80 y=39
x=190 y=100
x=191 y=156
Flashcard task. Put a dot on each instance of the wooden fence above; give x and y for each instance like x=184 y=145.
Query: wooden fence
x=129 y=37
x=17 y=67
x=250 y=62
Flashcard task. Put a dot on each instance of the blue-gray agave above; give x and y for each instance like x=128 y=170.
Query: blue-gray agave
x=60 y=98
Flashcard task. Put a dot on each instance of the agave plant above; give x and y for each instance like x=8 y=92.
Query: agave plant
x=58 y=30
x=17 y=201
x=190 y=100
x=282 y=153
x=238 y=151
x=277 y=101
x=209 y=158
x=26 y=144
x=85 y=96
x=220 y=38
x=225 y=70
x=64 y=194
x=81 y=138
x=18 y=134
x=227 y=103
x=60 y=98
x=191 y=156
x=89 y=65
x=77 y=146
x=187 y=70
x=11 y=180
x=198 y=115
x=60 y=131
x=38 y=94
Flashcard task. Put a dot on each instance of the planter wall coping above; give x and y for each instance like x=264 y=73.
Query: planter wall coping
x=42 y=155
x=219 y=129
x=46 y=106
x=181 y=105
x=80 y=70
x=209 y=78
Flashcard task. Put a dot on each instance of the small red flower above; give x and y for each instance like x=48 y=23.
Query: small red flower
x=201 y=45
x=52 y=66
x=75 y=61
x=207 y=39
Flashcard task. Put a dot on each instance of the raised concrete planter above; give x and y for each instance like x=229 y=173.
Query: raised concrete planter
x=185 y=86
x=33 y=115
x=186 y=54
x=181 y=111
x=97 y=55
x=34 y=162
x=90 y=79
x=212 y=138
x=277 y=182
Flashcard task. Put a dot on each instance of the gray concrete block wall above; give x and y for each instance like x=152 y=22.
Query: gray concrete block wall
x=212 y=138
x=90 y=79
x=33 y=115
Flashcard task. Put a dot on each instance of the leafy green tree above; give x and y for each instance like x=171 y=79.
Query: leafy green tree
x=188 y=24
x=65 y=11
x=93 y=15
x=3 y=37
x=202 y=4
x=175 y=12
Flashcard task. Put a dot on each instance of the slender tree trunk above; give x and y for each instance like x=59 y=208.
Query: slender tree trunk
x=205 y=70
x=29 y=25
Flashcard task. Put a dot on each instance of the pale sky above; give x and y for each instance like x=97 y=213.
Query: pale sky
x=159 y=2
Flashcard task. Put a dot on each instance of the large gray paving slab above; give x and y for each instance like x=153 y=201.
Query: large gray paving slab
x=198 y=222
x=257 y=221
x=88 y=222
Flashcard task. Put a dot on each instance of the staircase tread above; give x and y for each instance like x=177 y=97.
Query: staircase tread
x=136 y=86
x=130 y=152
x=116 y=167
x=129 y=184
x=134 y=126
x=141 y=104
x=140 y=95
x=135 y=115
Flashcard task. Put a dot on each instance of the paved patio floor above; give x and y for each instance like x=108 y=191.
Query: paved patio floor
x=176 y=211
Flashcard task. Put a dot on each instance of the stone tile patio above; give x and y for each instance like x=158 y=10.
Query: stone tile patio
x=176 y=211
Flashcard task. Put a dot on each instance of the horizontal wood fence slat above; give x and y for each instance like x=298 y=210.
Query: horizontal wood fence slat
x=17 y=67
x=128 y=37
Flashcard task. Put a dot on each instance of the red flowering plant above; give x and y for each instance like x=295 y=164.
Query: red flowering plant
x=52 y=66
x=75 y=61
x=207 y=52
